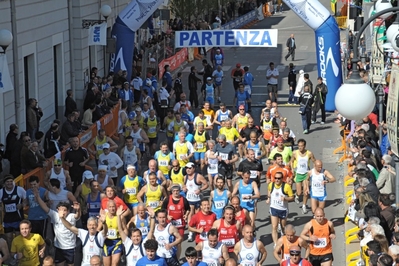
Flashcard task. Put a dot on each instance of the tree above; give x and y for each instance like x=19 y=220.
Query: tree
x=184 y=9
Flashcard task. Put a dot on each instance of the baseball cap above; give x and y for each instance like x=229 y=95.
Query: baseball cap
x=189 y=165
x=138 y=109
x=7 y=177
x=88 y=175
x=106 y=146
x=125 y=83
x=102 y=167
x=132 y=115
x=208 y=78
x=238 y=65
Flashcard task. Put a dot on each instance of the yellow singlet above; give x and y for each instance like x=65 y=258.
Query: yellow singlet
x=132 y=188
x=152 y=128
x=200 y=140
x=181 y=150
x=112 y=224
x=99 y=145
x=163 y=162
x=242 y=122
x=153 y=197
x=177 y=178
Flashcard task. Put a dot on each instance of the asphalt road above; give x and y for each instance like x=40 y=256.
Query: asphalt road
x=322 y=140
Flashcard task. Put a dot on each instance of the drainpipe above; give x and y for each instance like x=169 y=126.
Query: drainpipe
x=71 y=47
x=15 y=56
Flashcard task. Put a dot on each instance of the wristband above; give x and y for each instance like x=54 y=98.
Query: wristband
x=16 y=256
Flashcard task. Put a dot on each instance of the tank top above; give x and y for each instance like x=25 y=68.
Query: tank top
x=163 y=162
x=61 y=177
x=218 y=203
x=323 y=245
x=242 y=122
x=120 y=130
x=228 y=235
x=35 y=211
x=222 y=116
x=152 y=127
x=112 y=224
x=153 y=197
x=10 y=202
x=218 y=59
x=104 y=184
x=200 y=139
x=131 y=187
x=242 y=218
x=213 y=165
x=162 y=237
x=211 y=255
x=245 y=191
x=137 y=136
x=177 y=178
x=204 y=221
x=142 y=224
x=99 y=145
x=62 y=196
x=302 y=163
x=129 y=157
x=267 y=129
x=241 y=99
x=177 y=212
x=238 y=75
x=209 y=90
x=181 y=151
x=177 y=126
x=85 y=190
x=318 y=189
x=192 y=186
x=94 y=206
x=140 y=121
x=248 y=256
x=287 y=245
x=168 y=121
x=209 y=114
x=255 y=148
x=275 y=198
x=145 y=100
x=218 y=77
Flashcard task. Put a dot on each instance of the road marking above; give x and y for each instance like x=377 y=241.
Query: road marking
x=262 y=94
x=303 y=47
x=187 y=70
x=226 y=68
x=262 y=67
x=258 y=86
x=281 y=68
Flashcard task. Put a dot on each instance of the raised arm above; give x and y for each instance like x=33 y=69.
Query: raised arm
x=69 y=226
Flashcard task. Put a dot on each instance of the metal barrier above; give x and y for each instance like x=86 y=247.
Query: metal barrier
x=109 y=122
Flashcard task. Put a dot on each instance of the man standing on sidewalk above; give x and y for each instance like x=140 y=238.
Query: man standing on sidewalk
x=291 y=46
x=192 y=86
x=291 y=84
x=272 y=82
x=320 y=95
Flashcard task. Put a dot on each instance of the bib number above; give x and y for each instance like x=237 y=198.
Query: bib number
x=182 y=156
x=153 y=204
x=177 y=222
x=203 y=236
x=230 y=242
x=224 y=156
x=254 y=174
x=246 y=197
x=191 y=196
x=131 y=191
x=320 y=243
x=111 y=233
x=152 y=130
x=213 y=169
x=220 y=204
x=11 y=207
x=144 y=230
x=200 y=145
x=163 y=163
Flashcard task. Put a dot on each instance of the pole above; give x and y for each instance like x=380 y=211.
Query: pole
x=381 y=111
x=396 y=182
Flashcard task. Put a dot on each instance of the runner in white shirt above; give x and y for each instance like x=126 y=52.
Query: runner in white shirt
x=214 y=253
x=65 y=240
x=272 y=82
x=249 y=250
x=112 y=160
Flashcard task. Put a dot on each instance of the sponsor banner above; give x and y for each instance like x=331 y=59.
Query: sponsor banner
x=311 y=11
x=5 y=79
x=98 y=34
x=174 y=61
x=329 y=59
x=392 y=110
x=137 y=12
x=123 y=56
x=227 y=38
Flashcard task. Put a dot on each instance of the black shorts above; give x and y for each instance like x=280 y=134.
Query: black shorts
x=153 y=141
x=64 y=255
x=318 y=260
x=226 y=171
x=39 y=227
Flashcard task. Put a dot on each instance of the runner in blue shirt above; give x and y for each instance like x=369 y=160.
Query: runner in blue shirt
x=191 y=257
x=151 y=258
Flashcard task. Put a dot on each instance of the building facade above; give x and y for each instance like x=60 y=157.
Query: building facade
x=49 y=55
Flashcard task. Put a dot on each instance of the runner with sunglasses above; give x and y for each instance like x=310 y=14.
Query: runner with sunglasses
x=295 y=258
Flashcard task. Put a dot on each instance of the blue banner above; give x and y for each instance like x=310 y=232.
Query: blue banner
x=123 y=56
x=329 y=59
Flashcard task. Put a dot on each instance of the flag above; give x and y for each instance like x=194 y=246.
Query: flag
x=98 y=34
x=5 y=79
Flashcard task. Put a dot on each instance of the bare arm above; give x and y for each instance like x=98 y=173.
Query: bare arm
x=237 y=248
x=69 y=226
x=256 y=191
x=329 y=176
x=178 y=237
x=4 y=251
x=143 y=190
x=262 y=250
x=113 y=146
x=277 y=250
x=122 y=233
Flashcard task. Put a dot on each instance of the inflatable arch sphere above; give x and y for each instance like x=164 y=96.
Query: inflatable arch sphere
x=312 y=12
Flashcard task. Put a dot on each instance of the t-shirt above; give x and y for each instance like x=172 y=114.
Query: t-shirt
x=199 y=263
x=158 y=261
x=64 y=238
x=225 y=152
x=286 y=153
x=29 y=247
x=246 y=165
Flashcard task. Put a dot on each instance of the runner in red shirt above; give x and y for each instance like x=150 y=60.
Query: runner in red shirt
x=229 y=229
x=241 y=214
x=295 y=258
x=202 y=221
x=110 y=194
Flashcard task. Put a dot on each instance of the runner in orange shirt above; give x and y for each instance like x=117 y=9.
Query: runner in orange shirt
x=278 y=166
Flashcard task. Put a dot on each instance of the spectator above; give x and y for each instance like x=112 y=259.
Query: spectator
x=384 y=142
x=386 y=178
x=387 y=211
x=32 y=125
x=54 y=146
x=70 y=104
x=11 y=140
x=39 y=136
x=92 y=94
x=167 y=76
x=15 y=160
x=127 y=95
x=88 y=116
x=137 y=86
x=49 y=136
x=369 y=188
x=193 y=80
x=76 y=158
x=98 y=112
x=69 y=130
x=32 y=159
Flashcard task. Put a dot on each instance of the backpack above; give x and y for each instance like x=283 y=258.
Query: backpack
x=95 y=239
x=282 y=188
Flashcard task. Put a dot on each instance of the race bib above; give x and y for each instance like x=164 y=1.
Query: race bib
x=245 y=199
x=254 y=174
x=204 y=236
x=181 y=156
x=177 y=222
x=320 y=243
x=224 y=156
x=191 y=196
x=111 y=233
x=247 y=263
x=144 y=230
x=317 y=184
x=213 y=169
x=219 y=204
x=131 y=191
x=200 y=145
x=152 y=130
x=238 y=79
x=11 y=207
x=230 y=242
x=218 y=79
x=153 y=204
x=163 y=163
x=211 y=262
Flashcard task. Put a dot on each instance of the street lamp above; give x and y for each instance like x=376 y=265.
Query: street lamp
x=5 y=39
x=355 y=99
x=105 y=11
